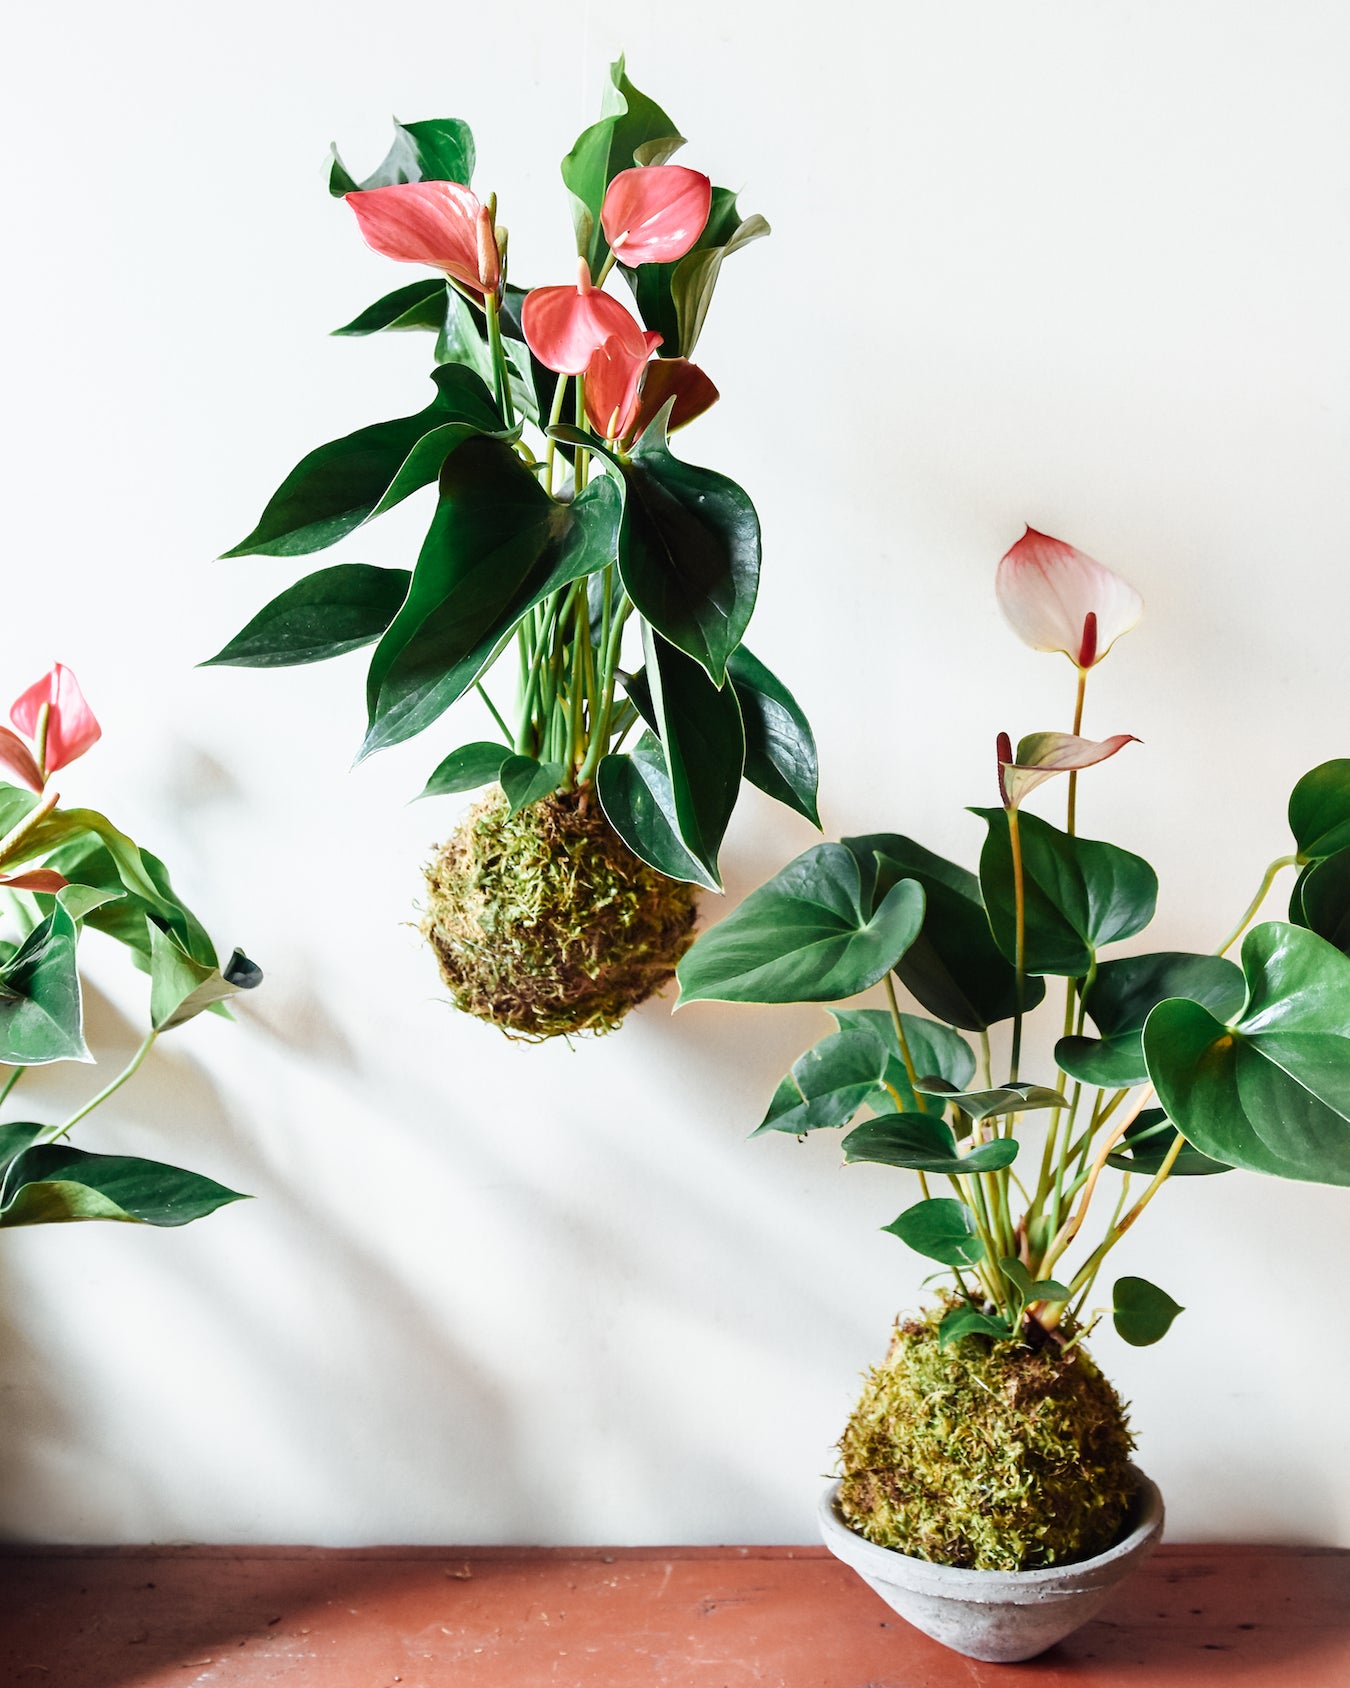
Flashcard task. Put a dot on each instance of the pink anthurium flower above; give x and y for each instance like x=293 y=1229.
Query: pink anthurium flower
x=566 y=326
x=653 y=214
x=676 y=378
x=18 y=758
x=440 y=224
x=613 y=378
x=1058 y=599
x=1040 y=756
x=68 y=729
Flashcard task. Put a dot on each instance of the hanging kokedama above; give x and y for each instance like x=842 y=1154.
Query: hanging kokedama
x=614 y=580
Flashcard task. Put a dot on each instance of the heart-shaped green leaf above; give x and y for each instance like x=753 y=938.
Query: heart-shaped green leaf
x=498 y=545
x=1147 y=1143
x=466 y=769
x=1142 y=1313
x=1319 y=810
x=689 y=551
x=180 y=988
x=828 y=1084
x=634 y=790
x=1006 y=1099
x=1321 y=899
x=1079 y=893
x=780 y=748
x=1031 y=1289
x=324 y=615
x=922 y=1143
x=41 y=1014
x=1270 y=1091
x=525 y=781
x=940 y=1229
x=440 y=149
x=803 y=937
x=966 y=1321
x=1121 y=997
x=932 y=1048
x=52 y=1184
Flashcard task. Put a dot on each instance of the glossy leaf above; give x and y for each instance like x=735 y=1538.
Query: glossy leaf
x=53 y=1184
x=635 y=793
x=324 y=615
x=1269 y=1091
x=780 y=748
x=440 y=149
x=1319 y=810
x=803 y=937
x=689 y=552
x=922 y=1143
x=1080 y=893
x=954 y=967
x=422 y=304
x=466 y=769
x=525 y=780
x=985 y=1104
x=673 y=299
x=337 y=487
x=1029 y=1289
x=1141 y=1312
x=632 y=130
x=85 y=859
x=965 y=1321
x=1147 y=1143
x=41 y=1013
x=704 y=743
x=828 y=1084
x=1321 y=899
x=15 y=1136
x=1120 y=999
x=941 y=1229
x=933 y=1049
x=182 y=987
x=498 y=545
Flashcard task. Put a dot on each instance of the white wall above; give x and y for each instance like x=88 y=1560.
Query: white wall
x=1082 y=265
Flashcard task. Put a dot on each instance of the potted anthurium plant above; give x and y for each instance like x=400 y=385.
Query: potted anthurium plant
x=985 y=1479
x=62 y=870
x=590 y=587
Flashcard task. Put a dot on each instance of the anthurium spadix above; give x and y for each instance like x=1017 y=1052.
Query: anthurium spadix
x=1056 y=598
x=654 y=214
x=613 y=379
x=439 y=224
x=1040 y=756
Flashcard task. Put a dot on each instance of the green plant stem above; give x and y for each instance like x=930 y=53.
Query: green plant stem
x=582 y=459
x=10 y=1082
x=1020 y=941
x=33 y=819
x=1255 y=904
x=44 y=722
x=1073 y=772
x=554 y=417
x=500 y=378
x=920 y=1102
x=1071 y=1227
x=1086 y=1274
x=605 y=268
x=127 y=1072
x=495 y=713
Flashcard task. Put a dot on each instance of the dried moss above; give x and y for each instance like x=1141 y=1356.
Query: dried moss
x=546 y=924
x=990 y=1456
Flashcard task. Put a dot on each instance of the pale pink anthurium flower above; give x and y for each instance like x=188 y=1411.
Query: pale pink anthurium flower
x=440 y=224
x=1058 y=599
x=68 y=731
x=1040 y=756
x=654 y=213
x=565 y=326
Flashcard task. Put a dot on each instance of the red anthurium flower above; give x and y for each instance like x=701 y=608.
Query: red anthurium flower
x=1059 y=599
x=613 y=377
x=1040 y=756
x=676 y=378
x=440 y=224
x=71 y=727
x=655 y=213
x=566 y=326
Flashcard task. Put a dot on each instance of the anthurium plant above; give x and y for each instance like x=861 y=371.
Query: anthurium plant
x=588 y=585
x=1166 y=1064
x=62 y=871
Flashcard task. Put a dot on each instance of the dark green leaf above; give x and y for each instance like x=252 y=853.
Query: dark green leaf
x=922 y=1143
x=342 y=484
x=965 y=1321
x=498 y=545
x=15 y=1136
x=780 y=748
x=41 y=1016
x=466 y=769
x=803 y=937
x=525 y=780
x=1028 y=1288
x=941 y=1229
x=1321 y=899
x=932 y=1048
x=1319 y=810
x=440 y=149
x=1080 y=894
x=1121 y=997
x=954 y=967
x=1147 y=1143
x=828 y=1085
x=634 y=790
x=699 y=726
x=419 y=305
x=1142 y=1312
x=326 y=614
x=52 y=1184
x=632 y=130
x=1270 y=1091
x=85 y=859
x=1007 y=1099
x=689 y=551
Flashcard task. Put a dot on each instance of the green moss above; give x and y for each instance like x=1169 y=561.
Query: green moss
x=546 y=924
x=990 y=1456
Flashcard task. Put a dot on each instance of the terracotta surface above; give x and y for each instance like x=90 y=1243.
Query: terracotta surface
x=586 y=1618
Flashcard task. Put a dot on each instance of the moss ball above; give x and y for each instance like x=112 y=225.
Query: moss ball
x=545 y=922
x=992 y=1456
